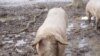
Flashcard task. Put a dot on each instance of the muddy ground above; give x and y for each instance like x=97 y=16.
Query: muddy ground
x=83 y=40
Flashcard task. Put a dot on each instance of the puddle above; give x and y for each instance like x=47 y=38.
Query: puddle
x=9 y=41
x=83 y=25
x=18 y=50
x=86 y=18
x=17 y=35
x=82 y=43
x=70 y=27
x=20 y=43
x=83 y=22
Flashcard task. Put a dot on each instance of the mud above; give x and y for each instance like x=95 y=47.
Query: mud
x=83 y=39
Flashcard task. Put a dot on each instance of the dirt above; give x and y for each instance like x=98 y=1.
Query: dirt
x=83 y=39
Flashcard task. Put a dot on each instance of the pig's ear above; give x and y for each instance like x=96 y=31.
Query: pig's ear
x=60 y=39
x=37 y=40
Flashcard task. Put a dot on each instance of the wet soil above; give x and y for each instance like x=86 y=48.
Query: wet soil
x=83 y=39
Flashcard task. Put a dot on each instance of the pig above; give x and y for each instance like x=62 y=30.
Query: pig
x=51 y=37
x=93 y=9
